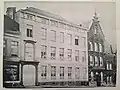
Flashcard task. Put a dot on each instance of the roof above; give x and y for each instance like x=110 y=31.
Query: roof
x=50 y=15
x=44 y=13
x=10 y=24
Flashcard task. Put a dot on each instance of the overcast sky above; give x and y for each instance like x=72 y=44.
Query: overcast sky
x=78 y=12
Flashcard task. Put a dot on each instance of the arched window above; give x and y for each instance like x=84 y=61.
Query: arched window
x=96 y=61
x=110 y=66
x=91 y=46
x=101 y=61
x=100 y=47
x=91 y=61
x=107 y=66
x=96 y=46
x=101 y=76
x=92 y=76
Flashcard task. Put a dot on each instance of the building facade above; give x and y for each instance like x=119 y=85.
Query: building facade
x=101 y=59
x=110 y=65
x=96 y=53
x=11 y=51
x=60 y=48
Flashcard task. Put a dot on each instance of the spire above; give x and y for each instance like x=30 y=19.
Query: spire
x=95 y=17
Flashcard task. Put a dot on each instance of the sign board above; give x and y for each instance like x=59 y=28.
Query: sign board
x=11 y=72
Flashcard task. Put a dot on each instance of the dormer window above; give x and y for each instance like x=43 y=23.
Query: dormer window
x=29 y=16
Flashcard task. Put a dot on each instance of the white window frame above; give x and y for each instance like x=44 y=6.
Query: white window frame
x=44 y=72
x=43 y=52
x=96 y=46
x=53 y=35
x=44 y=33
x=69 y=72
x=91 y=46
x=77 y=73
x=53 y=52
x=53 y=72
x=61 y=53
x=96 y=60
x=91 y=61
x=76 y=40
x=61 y=72
x=69 y=54
x=61 y=37
x=101 y=61
x=14 y=48
x=69 y=39
x=76 y=55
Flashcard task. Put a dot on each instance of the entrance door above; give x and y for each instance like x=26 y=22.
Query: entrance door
x=28 y=75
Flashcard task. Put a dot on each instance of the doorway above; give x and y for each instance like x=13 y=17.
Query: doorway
x=28 y=75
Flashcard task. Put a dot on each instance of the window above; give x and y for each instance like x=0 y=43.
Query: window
x=53 y=35
x=62 y=25
x=85 y=73
x=68 y=27
x=69 y=72
x=76 y=55
x=95 y=30
x=44 y=72
x=77 y=73
x=100 y=47
x=76 y=40
x=54 y=23
x=92 y=76
x=69 y=38
x=110 y=79
x=43 y=52
x=29 y=16
x=4 y=46
x=61 y=72
x=101 y=76
x=61 y=53
x=107 y=66
x=61 y=37
x=83 y=56
x=91 y=61
x=53 y=72
x=96 y=47
x=29 y=51
x=70 y=54
x=29 y=31
x=110 y=66
x=44 y=20
x=96 y=61
x=90 y=46
x=84 y=41
x=101 y=61
x=43 y=33
x=53 y=52
x=38 y=19
x=14 y=48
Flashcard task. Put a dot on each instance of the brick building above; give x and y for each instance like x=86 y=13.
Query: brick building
x=10 y=50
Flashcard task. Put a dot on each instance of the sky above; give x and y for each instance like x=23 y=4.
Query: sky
x=78 y=13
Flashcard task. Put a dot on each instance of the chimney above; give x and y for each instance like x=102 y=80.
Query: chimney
x=11 y=12
x=80 y=25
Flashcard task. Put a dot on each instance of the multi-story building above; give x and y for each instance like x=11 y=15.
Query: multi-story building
x=110 y=70
x=10 y=49
x=101 y=59
x=56 y=47
x=96 y=53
